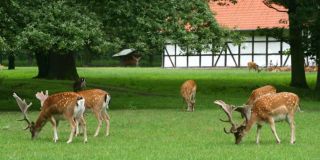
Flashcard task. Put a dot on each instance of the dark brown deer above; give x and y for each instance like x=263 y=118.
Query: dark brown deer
x=79 y=84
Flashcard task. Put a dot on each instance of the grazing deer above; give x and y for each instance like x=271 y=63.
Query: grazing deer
x=79 y=84
x=98 y=101
x=66 y=104
x=257 y=93
x=270 y=108
x=188 y=92
x=252 y=65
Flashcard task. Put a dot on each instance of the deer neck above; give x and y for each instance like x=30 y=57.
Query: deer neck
x=41 y=121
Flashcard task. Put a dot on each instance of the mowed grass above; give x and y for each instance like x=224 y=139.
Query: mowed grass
x=147 y=120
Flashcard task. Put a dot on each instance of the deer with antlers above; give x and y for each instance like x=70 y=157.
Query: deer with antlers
x=188 y=92
x=97 y=100
x=269 y=108
x=66 y=104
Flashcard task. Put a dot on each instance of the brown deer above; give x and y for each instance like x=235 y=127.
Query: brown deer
x=252 y=65
x=98 y=101
x=269 y=108
x=68 y=105
x=188 y=92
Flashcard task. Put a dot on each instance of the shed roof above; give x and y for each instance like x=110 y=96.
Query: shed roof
x=249 y=15
x=124 y=52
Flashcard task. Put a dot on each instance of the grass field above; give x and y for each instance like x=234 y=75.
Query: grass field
x=147 y=121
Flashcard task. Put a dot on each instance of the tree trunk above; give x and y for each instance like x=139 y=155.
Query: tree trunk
x=43 y=65
x=56 y=66
x=11 y=59
x=62 y=66
x=318 y=79
x=151 y=59
x=298 y=77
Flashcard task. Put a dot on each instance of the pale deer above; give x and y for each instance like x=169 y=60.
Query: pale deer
x=67 y=105
x=252 y=65
x=188 y=92
x=97 y=100
x=269 y=108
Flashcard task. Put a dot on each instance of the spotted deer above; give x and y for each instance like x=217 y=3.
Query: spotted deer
x=65 y=105
x=188 y=92
x=256 y=94
x=269 y=108
x=252 y=65
x=97 y=100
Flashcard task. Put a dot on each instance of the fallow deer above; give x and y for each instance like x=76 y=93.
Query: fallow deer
x=269 y=108
x=79 y=84
x=68 y=105
x=252 y=65
x=98 y=101
x=188 y=92
x=256 y=94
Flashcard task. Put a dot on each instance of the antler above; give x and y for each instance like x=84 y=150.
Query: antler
x=24 y=108
x=42 y=97
x=228 y=109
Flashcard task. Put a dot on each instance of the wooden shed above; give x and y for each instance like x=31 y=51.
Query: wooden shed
x=128 y=57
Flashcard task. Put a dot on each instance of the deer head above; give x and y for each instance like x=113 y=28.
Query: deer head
x=236 y=129
x=79 y=84
x=24 y=109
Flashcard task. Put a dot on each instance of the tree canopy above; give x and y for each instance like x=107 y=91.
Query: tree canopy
x=66 y=27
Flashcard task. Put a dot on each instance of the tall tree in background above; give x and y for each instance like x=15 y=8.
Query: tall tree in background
x=298 y=77
x=11 y=24
x=148 y=25
x=311 y=30
x=55 y=32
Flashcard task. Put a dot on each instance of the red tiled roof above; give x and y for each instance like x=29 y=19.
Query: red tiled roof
x=249 y=15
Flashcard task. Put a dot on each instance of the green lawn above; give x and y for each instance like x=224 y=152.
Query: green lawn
x=147 y=121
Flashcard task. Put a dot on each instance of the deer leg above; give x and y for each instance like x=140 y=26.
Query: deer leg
x=73 y=129
x=259 y=126
x=106 y=117
x=291 y=122
x=55 y=131
x=273 y=128
x=98 y=116
x=84 y=127
x=77 y=128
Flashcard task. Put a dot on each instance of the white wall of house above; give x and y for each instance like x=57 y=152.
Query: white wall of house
x=262 y=50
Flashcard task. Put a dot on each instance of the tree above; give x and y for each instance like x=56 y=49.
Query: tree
x=298 y=77
x=11 y=24
x=148 y=25
x=55 y=32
